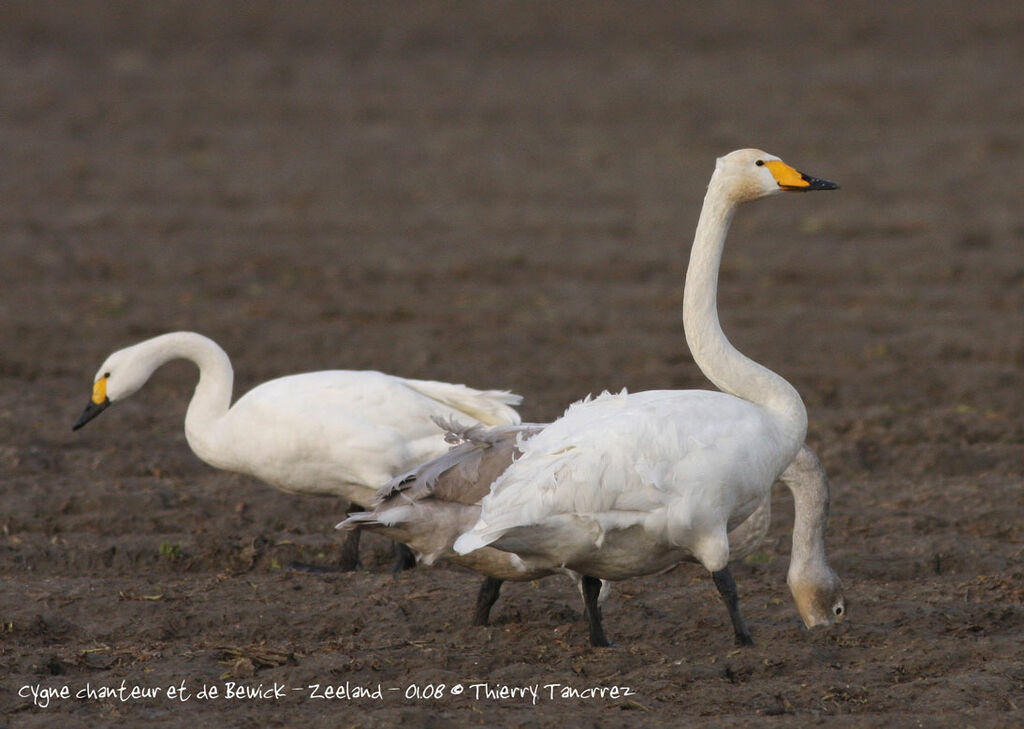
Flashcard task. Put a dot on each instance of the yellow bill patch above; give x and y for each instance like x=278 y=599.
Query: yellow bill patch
x=99 y=390
x=785 y=175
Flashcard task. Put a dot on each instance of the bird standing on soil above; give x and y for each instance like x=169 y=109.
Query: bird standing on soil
x=337 y=432
x=431 y=506
x=629 y=484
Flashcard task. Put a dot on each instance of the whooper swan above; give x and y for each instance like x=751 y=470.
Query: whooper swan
x=628 y=484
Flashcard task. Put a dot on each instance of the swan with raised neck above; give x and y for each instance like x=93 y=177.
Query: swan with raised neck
x=625 y=485
x=729 y=369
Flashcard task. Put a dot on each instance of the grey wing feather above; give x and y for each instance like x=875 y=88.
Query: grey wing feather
x=358 y=520
x=464 y=474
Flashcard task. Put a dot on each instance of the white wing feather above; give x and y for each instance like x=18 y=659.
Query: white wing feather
x=654 y=460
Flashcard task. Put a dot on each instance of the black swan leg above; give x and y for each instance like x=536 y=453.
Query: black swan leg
x=485 y=599
x=591 y=591
x=349 y=559
x=403 y=558
x=727 y=589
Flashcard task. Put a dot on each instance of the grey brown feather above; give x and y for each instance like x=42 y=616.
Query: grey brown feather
x=478 y=456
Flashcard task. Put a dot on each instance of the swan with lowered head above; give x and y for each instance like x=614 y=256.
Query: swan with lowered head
x=431 y=506
x=626 y=485
x=336 y=433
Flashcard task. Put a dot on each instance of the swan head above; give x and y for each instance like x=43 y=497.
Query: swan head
x=819 y=598
x=749 y=174
x=121 y=375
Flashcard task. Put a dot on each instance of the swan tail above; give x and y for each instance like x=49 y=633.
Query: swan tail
x=472 y=541
x=491 y=407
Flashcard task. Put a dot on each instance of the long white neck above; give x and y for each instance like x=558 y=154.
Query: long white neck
x=723 y=364
x=212 y=396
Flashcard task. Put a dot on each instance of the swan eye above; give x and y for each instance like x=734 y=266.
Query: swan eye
x=107 y=374
x=760 y=163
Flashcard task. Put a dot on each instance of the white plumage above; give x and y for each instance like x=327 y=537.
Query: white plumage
x=338 y=432
x=431 y=506
x=627 y=484
x=603 y=477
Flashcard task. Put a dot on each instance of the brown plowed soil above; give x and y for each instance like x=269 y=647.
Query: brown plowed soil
x=503 y=194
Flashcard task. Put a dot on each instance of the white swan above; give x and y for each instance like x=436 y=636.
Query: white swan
x=625 y=485
x=431 y=506
x=338 y=432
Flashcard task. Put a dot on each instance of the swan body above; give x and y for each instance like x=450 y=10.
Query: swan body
x=337 y=432
x=603 y=475
x=625 y=485
x=432 y=505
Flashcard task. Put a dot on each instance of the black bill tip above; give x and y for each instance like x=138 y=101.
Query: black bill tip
x=90 y=412
x=816 y=183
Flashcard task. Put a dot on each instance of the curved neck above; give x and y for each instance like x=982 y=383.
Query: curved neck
x=212 y=396
x=723 y=364
x=808 y=483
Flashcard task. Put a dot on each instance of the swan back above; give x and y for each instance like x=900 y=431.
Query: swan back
x=317 y=432
x=490 y=407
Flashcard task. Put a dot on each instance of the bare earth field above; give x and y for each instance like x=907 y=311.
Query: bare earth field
x=503 y=194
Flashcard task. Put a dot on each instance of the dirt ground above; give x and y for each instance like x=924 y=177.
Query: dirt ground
x=503 y=194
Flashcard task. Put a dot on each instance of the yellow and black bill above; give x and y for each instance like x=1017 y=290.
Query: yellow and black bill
x=97 y=404
x=793 y=180
x=90 y=412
